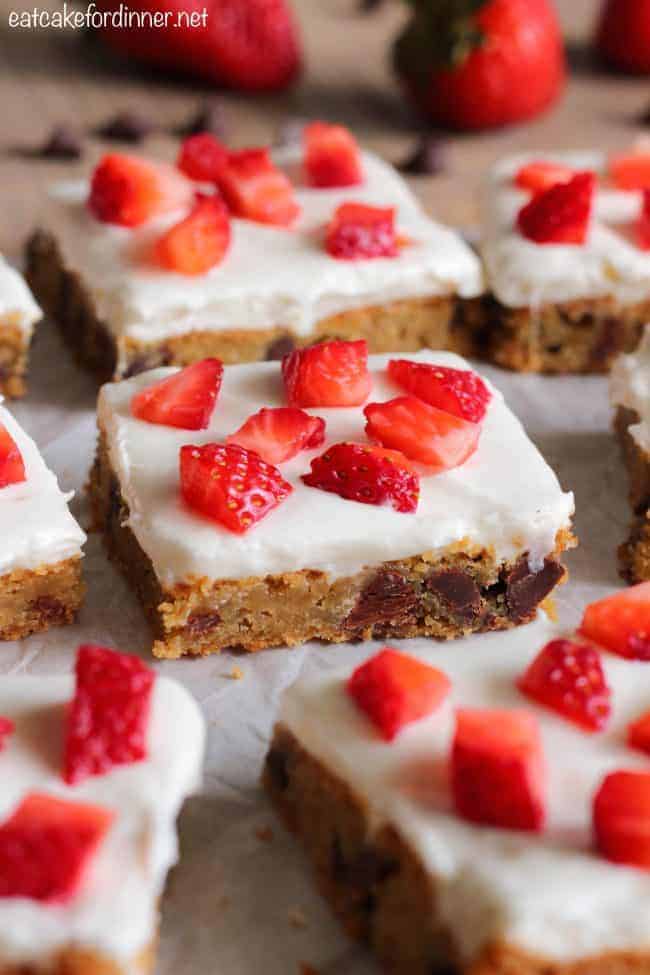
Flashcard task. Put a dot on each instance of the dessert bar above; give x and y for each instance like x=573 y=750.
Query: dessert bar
x=18 y=315
x=40 y=556
x=365 y=512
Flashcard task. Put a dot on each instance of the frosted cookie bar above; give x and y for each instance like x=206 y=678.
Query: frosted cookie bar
x=335 y=497
x=18 y=315
x=40 y=555
x=94 y=773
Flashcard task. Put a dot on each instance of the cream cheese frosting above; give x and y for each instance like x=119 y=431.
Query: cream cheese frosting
x=521 y=273
x=549 y=895
x=505 y=497
x=115 y=911
x=630 y=387
x=17 y=305
x=270 y=276
x=36 y=526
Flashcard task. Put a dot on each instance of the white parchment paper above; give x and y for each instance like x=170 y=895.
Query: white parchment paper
x=241 y=901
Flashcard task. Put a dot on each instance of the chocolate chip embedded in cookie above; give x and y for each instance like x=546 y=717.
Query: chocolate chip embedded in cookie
x=387 y=600
x=525 y=590
x=457 y=591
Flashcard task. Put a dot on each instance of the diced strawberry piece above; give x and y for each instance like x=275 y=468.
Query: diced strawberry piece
x=621 y=622
x=621 y=816
x=329 y=374
x=359 y=231
x=6 y=729
x=643 y=223
x=394 y=690
x=630 y=170
x=184 y=400
x=202 y=158
x=332 y=156
x=279 y=434
x=498 y=773
x=541 y=175
x=371 y=475
x=422 y=432
x=568 y=677
x=12 y=467
x=230 y=485
x=47 y=845
x=560 y=214
x=108 y=718
x=458 y=391
x=200 y=241
x=255 y=189
x=638 y=733
x=129 y=191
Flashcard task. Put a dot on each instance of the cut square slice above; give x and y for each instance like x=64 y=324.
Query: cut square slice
x=18 y=315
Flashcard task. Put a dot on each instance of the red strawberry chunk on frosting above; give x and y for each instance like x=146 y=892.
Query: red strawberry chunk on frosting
x=199 y=242
x=370 y=475
x=108 y=718
x=255 y=189
x=643 y=223
x=621 y=817
x=6 y=729
x=127 y=190
x=458 y=391
x=568 y=677
x=278 y=434
x=230 y=485
x=186 y=399
x=621 y=622
x=630 y=170
x=437 y=439
x=202 y=157
x=12 y=467
x=47 y=846
x=358 y=231
x=560 y=214
x=332 y=156
x=329 y=374
x=498 y=773
x=638 y=733
x=541 y=175
x=394 y=689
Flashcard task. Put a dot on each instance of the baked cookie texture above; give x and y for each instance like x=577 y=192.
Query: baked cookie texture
x=321 y=567
x=18 y=315
x=427 y=891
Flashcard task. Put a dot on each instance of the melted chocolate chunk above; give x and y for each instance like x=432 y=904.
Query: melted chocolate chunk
x=457 y=590
x=277 y=762
x=609 y=343
x=49 y=609
x=279 y=348
x=127 y=126
x=387 y=600
x=202 y=622
x=525 y=590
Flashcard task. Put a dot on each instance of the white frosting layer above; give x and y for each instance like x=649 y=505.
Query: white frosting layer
x=36 y=526
x=270 y=276
x=115 y=911
x=630 y=387
x=16 y=301
x=505 y=497
x=550 y=895
x=521 y=273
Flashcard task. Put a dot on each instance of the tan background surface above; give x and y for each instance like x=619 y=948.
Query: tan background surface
x=52 y=76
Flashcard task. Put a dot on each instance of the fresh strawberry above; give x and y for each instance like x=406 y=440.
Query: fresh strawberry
x=230 y=485
x=279 y=434
x=198 y=242
x=638 y=733
x=108 y=718
x=332 y=156
x=621 y=816
x=248 y=44
x=498 y=774
x=6 y=729
x=423 y=433
x=394 y=690
x=623 y=34
x=47 y=845
x=458 y=391
x=371 y=475
x=12 y=467
x=643 y=223
x=129 y=191
x=186 y=399
x=255 y=189
x=541 y=175
x=329 y=374
x=568 y=677
x=630 y=170
x=357 y=231
x=560 y=214
x=202 y=157
x=472 y=65
x=621 y=622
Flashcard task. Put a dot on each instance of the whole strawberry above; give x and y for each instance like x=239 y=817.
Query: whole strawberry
x=623 y=35
x=248 y=44
x=473 y=64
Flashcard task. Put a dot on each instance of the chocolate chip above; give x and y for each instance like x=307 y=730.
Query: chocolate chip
x=387 y=600
x=49 y=609
x=426 y=159
x=210 y=118
x=279 y=348
x=202 y=622
x=290 y=131
x=525 y=590
x=128 y=126
x=62 y=143
x=457 y=590
x=277 y=762
x=610 y=342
